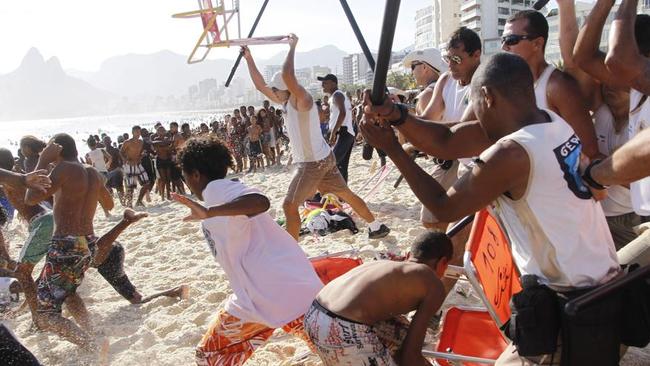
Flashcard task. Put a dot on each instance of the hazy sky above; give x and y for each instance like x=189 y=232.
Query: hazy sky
x=83 y=33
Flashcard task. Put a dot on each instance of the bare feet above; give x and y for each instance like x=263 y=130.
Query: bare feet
x=102 y=351
x=185 y=292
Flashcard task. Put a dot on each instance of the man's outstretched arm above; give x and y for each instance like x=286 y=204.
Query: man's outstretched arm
x=462 y=140
x=256 y=76
x=628 y=164
x=303 y=98
x=249 y=205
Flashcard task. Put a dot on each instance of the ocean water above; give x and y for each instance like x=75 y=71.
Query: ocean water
x=80 y=127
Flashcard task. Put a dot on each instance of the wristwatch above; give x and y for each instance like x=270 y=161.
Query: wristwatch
x=589 y=179
x=403 y=113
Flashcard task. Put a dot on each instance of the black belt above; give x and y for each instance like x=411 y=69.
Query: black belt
x=321 y=308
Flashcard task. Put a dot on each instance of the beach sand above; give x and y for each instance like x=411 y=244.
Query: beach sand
x=164 y=252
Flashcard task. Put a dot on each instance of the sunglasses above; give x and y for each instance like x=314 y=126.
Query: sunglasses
x=414 y=65
x=452 y=58
x=513 y=39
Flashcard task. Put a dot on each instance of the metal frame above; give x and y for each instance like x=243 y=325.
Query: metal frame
x=211 y=39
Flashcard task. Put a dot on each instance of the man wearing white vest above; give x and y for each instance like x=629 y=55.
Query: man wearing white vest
x=317 y=168
x=526 y=35
x=340 y=124
x=558 y=233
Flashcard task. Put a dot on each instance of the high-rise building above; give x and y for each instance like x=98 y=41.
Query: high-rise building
x=446 y=19
x=347 y=78
x=488 y=17
x=424 y=28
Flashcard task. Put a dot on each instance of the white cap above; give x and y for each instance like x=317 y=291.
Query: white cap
x=396 y=91
x=431 y=56
x=277 y=82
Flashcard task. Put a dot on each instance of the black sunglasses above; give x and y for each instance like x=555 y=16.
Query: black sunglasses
x=513 y=39
x=414 y=65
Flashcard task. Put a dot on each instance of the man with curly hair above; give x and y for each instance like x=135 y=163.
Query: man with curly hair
x=272 y=280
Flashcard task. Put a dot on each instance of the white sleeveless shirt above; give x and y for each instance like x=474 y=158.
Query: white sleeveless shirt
x=540 y=87
x=334 y=113
x=557 y=231
x=639 y=120
x=97 y=159
x=305 y=137
x=618 y=200
x=456 y=98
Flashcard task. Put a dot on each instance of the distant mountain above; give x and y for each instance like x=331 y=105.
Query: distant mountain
x=41 y=89
x=166 y=73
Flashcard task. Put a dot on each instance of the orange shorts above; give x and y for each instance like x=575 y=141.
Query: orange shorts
x=232 y=341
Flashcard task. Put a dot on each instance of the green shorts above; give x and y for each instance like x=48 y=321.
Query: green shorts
x=41 y=229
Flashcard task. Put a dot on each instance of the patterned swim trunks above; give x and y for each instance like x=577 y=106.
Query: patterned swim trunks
x=341 y=341
x=134 y=174
x=67 y=260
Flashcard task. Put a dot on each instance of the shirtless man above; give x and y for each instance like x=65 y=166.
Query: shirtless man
x=255 y=148
x=358 y=318
x=528 y=169
x=268 y=143
x=177 y=143
x=526 y=35
x=162 y=144
x=316 y=164
x=133 y=171
x=40 y=226
x=76 y=189
x=115 y=178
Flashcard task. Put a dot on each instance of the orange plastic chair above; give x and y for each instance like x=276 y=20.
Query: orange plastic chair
x=472 y=336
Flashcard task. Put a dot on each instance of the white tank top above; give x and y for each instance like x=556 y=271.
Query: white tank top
x=97 y=159
x=305 y=137
x=618 y=200
x=540 y=87
x=639 y=120
x=456 y=98
x=334 y=113
x=557 y=231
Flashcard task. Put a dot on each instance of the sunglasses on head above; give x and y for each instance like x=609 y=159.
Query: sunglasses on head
x=513 y=39
x=452 y=58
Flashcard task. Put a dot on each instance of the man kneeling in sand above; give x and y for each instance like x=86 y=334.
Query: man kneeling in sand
x=272 y=280
x=357 y=318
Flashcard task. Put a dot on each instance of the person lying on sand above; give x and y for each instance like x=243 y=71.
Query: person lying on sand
x=358 y=318
x=272 y=280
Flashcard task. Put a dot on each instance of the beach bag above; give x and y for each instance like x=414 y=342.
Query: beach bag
x=322 y=222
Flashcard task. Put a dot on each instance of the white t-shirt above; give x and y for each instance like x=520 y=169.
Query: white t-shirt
x=334 y=113
x=618 y=200
x=639 y=120
x=305 y=136
x=97 y=159
x=556 y=230
x=272 y=280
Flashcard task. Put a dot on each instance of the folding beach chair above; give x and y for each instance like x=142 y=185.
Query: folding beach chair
x=471 y=336
x=216 y=22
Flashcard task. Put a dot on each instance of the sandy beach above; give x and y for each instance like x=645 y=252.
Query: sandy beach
x=163 y=252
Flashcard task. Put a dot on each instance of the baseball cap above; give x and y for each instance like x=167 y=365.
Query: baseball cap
x=431 y=56
x=277 y=82
x=330 y=77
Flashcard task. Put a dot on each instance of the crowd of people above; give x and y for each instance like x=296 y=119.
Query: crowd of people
x=560 y=156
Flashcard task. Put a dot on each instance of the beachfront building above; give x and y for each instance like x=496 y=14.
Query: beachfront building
x=356 y=69
x=434 y=24
x=347 y=77
x=488 y=17
x=424 y=28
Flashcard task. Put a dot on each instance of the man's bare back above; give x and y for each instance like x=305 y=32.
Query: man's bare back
x=380 y=290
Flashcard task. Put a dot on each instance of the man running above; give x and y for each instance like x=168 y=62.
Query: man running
x=316 y=164
x=133 y=171
x=77 y=190
x=359 y=318
x=528 y=167
x=340 y=123
x=272 y=280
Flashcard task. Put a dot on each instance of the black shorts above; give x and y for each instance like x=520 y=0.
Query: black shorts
x=113 y=272
x=164 y=163
x=255 y=148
